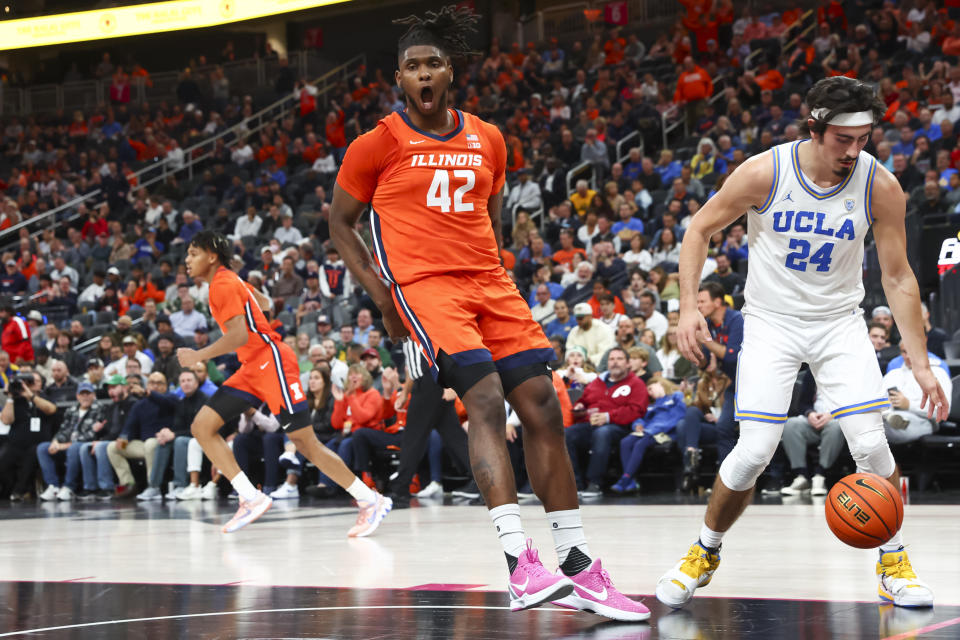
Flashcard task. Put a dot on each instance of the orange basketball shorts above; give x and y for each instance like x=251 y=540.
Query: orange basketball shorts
x=272 y=375
x=473 y=317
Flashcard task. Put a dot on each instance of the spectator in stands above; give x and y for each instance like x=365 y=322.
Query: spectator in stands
x=287 y=233
x=131 y=350
x=652 y=318
x=80 y=424
x=726 y=329
x=62 y=387
x=525 y=194
x=609 y=405
x=12 y=281
x=25 y=410
x=884 y=316
x=259 y=435
x=908 y=421
x=15 y=338
x=694 y=86
x=595 y=152
x=186 y=321
x=562 y=322
x=936 y=337
x=731 y=281
x=138 y=438
x=62 y=269
x=543 y=310
x=358 y=406
x=582 y=197
x=814 y=425
x=582 y=287
x=596 y=338
x=880 y=338
x=656 y=425
x=173 y=441
x=190 y=227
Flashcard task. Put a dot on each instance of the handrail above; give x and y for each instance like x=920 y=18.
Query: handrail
x=578 y=169
x=623 y=141
x=189 y=156
x=800 y=20
x=665 y=128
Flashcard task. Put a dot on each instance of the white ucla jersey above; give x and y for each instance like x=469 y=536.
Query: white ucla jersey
x=806 y=243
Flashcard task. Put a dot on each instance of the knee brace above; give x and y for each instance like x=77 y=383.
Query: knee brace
x=756 y=446
x=868 y=443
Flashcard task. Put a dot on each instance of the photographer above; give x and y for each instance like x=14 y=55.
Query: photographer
x=29 y=415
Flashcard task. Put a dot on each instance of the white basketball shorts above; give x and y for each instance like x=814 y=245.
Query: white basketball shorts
x=838 y=350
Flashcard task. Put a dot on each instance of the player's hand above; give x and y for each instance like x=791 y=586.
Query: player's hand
x=393 y=324
x=934 y=399
x=187 y=357
x=691 y=333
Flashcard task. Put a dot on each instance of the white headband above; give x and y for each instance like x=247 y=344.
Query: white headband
x=850 y=119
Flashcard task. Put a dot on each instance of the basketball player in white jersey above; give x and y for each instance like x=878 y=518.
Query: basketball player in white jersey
x=809 y=206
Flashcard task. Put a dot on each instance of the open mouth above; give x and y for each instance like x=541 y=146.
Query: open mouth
x=426 y=98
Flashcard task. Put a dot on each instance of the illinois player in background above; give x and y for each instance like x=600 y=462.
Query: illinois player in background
x=434 y=177
x=269 y=373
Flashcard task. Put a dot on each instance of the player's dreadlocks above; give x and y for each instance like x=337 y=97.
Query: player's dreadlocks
x=447 y=29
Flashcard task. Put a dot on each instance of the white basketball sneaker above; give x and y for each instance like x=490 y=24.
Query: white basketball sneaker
x=694 y=570
x=899 y=583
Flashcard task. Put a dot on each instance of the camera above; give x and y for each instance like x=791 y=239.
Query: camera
x=17 y=383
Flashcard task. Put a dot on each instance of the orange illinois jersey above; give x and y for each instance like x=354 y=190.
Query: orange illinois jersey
x=230 y=297
x=428 y=195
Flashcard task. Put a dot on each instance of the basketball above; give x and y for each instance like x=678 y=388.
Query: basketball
x=864 y=510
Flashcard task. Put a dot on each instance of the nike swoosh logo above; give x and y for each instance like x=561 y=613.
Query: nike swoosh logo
x=863 y=483
x=599 y=595
x=521 y=587
x=264 y=366
x=417 y=141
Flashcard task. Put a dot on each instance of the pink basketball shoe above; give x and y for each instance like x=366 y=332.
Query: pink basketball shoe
x=531 y=584
x=594 y=592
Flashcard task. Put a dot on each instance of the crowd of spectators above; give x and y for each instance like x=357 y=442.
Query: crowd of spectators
x=597 y=265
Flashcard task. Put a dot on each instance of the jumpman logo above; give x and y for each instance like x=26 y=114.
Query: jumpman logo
x=789 y=197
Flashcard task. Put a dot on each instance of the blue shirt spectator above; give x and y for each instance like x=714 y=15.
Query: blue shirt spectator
x=556 y=290
x=191 y=227
x=669 y=170
x=145 y=249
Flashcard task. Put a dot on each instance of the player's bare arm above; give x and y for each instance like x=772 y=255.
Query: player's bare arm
x=746 y=187
x=234 y=337
x=900 y=286
x=345 y=211
x=494 y=207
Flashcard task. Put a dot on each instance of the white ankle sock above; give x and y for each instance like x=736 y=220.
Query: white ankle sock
x=506 y=518
x=893 y=543
x=244 y=487
x=710 y=538
x=567 y=529
x=361 y=492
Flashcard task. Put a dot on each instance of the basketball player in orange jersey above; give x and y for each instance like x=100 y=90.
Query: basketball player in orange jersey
x=434 y=177
x=269 y=373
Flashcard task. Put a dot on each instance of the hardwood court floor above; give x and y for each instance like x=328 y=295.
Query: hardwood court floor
x=436 y=571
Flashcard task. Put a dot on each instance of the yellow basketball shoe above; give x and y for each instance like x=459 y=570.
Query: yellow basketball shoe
x=899 y=583
x=694 y=570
